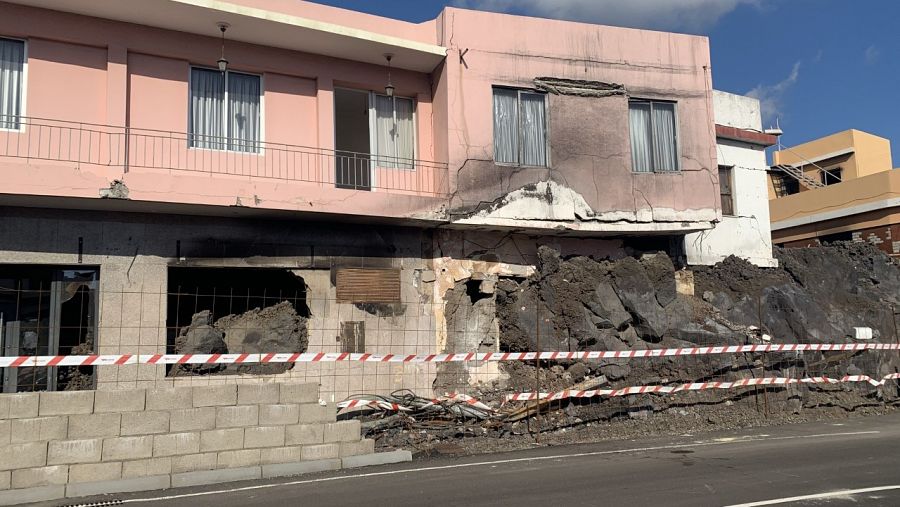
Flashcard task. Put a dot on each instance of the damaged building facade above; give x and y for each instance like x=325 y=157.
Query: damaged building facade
x=307 y=178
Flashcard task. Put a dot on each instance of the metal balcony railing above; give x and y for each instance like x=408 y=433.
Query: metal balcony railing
x=132 y=149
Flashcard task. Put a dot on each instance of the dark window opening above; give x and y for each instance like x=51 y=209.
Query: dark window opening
x=832 y=176
x=48 y=310
x=838 y=236
x=785 y=185
x=234 y=311
x=725 y=189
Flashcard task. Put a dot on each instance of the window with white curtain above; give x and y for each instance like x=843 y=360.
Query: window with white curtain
x=654 y=146
x=395 y=138
x=225 y=110
x=520 y=127
x=12 y=70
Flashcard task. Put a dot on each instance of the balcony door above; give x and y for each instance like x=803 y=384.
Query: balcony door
x=352 y=140
x=371 y=131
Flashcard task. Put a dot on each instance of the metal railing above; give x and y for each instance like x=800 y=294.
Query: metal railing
x=129 y=148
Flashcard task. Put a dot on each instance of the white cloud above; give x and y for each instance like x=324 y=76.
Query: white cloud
x=871 y=55
x=771 y=97
x=680 y=15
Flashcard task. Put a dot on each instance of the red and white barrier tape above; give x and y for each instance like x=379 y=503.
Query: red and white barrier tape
x=396 y=407
x=699 y=386
x=314 y=357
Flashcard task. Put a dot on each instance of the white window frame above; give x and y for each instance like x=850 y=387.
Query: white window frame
x=262 y=110
x=373 y=137
x=653 y=169
x=23 y=98
x=521 y=133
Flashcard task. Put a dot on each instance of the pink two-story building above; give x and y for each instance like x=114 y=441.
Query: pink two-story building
x=161 y=174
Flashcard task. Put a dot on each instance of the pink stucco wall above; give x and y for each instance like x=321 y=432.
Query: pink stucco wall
x=590 y=146
x=111 y=73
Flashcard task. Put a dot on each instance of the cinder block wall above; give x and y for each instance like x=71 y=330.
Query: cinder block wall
x=81 y=443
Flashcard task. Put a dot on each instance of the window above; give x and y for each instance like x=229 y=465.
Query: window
x=785 y=185
x=225 y=110
x=367 y=285
x=654 y=145
x=725 y=189
x=12 y=71
x=394 y=132
x=831 y=176
x=520 y=127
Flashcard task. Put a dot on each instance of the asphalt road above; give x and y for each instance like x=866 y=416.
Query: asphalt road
x=757 y=467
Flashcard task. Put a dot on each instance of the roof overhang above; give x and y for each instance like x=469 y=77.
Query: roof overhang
x=745 y=135
x=258 y=26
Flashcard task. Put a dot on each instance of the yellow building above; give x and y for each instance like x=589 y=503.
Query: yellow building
x=838 y=187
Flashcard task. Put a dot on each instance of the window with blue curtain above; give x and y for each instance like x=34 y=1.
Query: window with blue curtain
x=225 y=110
x=654 y=146
x=12 y=70
x=520 y=127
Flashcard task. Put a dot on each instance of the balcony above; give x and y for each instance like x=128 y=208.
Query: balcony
x=114 y=152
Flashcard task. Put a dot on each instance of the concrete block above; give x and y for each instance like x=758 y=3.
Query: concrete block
x=120 y=400
x=215 y=396
x=237 y=459
x=222 y=439
x=27 y=455
x=320 y=451
x=5 y=426
x=91 y=472
x=280 y=454
x=174 y=444
x=315 y=413
x=364 y=446
x=304 y=434
x=66 y=402
x=194 y=462
x=379 y=458
x=299 y=468
x=342 y=431
x=21 y=405
x=144 y=423
x=31 y=495
x=149 y=483
x=5 y=480
x=68 y=452
x=123 y=448
x=278 y=415
x=264 y=436
x=215 y=476
x=171 y=398
x=147 y=467
x=94 y=425
x=38 y=428
x=242 y=415
x=193 y=419
x=257 y=394
x=299 y=393
x=43 y=476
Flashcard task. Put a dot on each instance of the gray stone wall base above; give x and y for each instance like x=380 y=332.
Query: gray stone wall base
x=300 y=468
x=117 y=486
x=379 y=458
x=28 y=495
x=215 y=476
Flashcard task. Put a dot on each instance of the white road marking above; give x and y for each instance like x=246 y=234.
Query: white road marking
x=496 y=462
x=845 y=493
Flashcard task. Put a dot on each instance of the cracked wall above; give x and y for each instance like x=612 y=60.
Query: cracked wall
x=593 y=70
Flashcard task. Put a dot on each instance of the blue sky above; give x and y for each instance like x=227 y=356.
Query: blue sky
x=820 y=66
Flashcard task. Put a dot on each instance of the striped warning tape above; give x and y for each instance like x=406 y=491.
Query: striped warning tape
x=313 y=357
x=386 y=405
x=699 y=386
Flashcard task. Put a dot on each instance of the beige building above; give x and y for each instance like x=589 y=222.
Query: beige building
x=838 y=187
